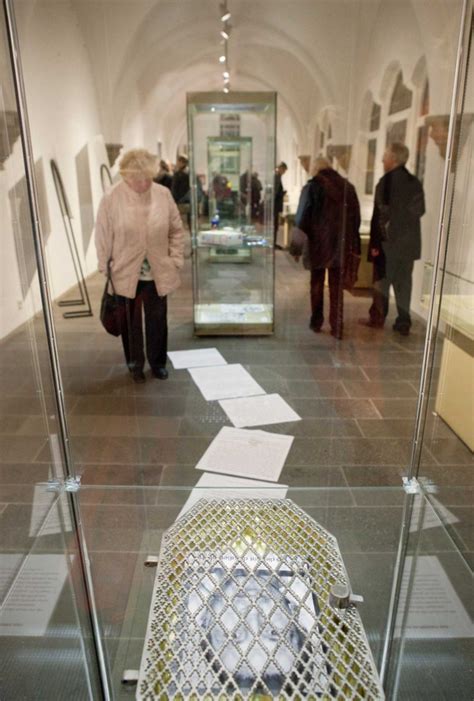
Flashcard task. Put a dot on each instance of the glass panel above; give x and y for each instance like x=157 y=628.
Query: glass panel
x=233 y=234
x=449 y=430
x=44 y=619
x=435 y=610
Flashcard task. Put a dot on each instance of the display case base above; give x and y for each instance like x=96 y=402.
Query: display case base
x=231 y=255
x=233 y=319
x=233 y=330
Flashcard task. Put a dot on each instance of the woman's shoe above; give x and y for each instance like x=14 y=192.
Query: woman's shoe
x=161 y=373
x=138 y=377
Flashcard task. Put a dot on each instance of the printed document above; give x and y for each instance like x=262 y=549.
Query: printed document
x=252 y=454
x=258 y=411
x=225 y=382
x=196 y=358
x=215 y=486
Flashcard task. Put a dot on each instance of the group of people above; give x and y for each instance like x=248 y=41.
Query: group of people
x=326 y=233
x=140 y=243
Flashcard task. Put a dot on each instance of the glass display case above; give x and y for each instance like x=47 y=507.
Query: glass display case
x=103 y=527
x=232 y=159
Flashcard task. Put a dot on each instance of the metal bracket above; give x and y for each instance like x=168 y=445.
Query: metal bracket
x=341 y=597
x=151 y=561
x=54 y=486
x=411 y=486
x=130 y=677
x=70 y=484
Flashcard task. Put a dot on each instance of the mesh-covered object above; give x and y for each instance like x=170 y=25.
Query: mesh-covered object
x=240 y=610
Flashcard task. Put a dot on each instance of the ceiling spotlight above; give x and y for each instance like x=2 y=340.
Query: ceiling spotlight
x=226 y=16
x=226 y=75
x=226 y=88
x=225 y=32
x=222 y=59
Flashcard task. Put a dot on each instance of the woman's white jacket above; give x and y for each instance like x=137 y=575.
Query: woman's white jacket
x=131 y=227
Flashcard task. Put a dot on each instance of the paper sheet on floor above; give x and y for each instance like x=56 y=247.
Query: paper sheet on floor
x=434 y=609
x=199 y=358
x=225 y=382
x=213 y=486
x=255 y=454
x=258 y=411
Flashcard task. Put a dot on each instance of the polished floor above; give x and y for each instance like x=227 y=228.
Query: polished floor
x=132 y=444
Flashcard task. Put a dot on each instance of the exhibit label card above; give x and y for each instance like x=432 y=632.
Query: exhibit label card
x=434 y=607
x=215 y=486
x=34 y=594
x=431 y=519
x=199 y=358
x=252 y=454
x=258 y=411
x=225 y=382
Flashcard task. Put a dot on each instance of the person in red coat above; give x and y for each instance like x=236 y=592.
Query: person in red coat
x=329 y=214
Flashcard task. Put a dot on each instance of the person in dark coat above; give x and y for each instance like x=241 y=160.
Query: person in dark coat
x=329 y=214
x=180 y=182
x=395 y=238
x=164 y=176
x=278 y=195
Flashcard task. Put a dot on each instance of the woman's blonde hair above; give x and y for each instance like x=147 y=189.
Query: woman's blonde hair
x=138 y=161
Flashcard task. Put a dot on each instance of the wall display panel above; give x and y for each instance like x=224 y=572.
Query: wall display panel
x=83 y=300
x=232 y=211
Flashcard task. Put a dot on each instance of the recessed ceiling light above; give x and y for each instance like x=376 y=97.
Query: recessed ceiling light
x=222 y=58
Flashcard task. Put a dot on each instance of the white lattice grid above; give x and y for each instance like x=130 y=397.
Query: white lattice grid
x=240 y=610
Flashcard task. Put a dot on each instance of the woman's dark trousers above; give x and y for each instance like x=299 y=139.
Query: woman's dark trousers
x=156 y=328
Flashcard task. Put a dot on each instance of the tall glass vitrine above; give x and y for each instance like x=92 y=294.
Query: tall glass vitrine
x=232 y=159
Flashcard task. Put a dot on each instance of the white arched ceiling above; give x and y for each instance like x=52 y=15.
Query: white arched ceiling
x=148 y=53
x=169 y=47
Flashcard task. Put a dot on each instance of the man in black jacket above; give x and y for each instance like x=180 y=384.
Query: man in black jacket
x=329 y=214
x=180 y=182
x=278 y=196
x=395 y=238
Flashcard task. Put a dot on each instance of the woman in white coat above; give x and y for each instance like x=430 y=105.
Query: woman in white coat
x=139 y=231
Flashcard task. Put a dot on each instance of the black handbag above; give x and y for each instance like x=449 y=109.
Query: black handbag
x=112 y=312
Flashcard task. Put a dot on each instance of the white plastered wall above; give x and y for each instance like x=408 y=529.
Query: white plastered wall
x=64 y=120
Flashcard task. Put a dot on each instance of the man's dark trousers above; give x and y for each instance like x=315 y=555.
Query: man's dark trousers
x=398 y=274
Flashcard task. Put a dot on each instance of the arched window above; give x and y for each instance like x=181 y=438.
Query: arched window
x=422 y=132
x=375 y=117
x=401 y=97
x=374 y=126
